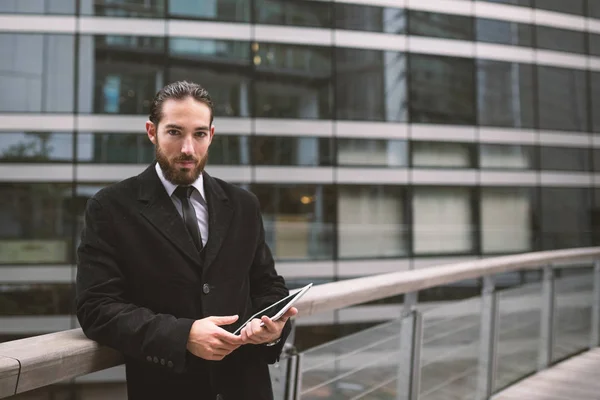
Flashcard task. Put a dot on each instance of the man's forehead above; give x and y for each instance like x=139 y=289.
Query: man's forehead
x=185 y=112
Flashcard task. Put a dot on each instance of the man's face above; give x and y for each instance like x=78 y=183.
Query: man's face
x=182 y=139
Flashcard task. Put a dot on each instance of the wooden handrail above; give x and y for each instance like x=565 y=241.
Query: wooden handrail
x=39 y=361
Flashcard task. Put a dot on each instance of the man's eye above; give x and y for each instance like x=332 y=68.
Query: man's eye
x=172 y=132
x=200 y=134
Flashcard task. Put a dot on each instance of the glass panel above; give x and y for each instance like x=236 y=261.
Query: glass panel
x=293 y=13
x=505 y=94
x=35 y=223
x=526 y=3
x=372 y=221
x=217 y=10
x=292 y=81
x=282 y=150
x=440 y=154
x=38 y=6
x=35 y=147
x=507 y=156
x=37 y=73
x=507 y=220
x=562 y=99
x=595 y=100
x=443 y=220
x=124 y=8
x=371 y=152
x=370 y=85
x=445 y=26
x=298 y=220
x=369 y=18
x=119 y=74
x=594 y=42
x=504 y=32
x=442 y=90
x=595 y=216
x=569 y=7
x=229 y=150
x=594 y=8
x=573 y=311
x=565 y=159
x=566 y=218
x=36 y=299
x=560 y=39
x=107 y=148
x=519 y=320
x=450 y=353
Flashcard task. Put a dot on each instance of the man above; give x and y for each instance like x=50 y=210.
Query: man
x=173 y=260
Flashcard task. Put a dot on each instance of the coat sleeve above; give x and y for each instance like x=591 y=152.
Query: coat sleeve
x=267 y=287
x=104 y=311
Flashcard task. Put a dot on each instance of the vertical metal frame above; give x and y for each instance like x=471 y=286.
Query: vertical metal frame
x=595 y=333
x=546 y=342
x=486 y=376
x=411 y=339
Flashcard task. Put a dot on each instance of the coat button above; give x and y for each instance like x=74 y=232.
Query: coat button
x=155 y=359
x=206 y=288
x=170 y=364
x=162 y=361
x=149 y=359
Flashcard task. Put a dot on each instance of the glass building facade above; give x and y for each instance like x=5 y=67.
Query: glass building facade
x=379 y=136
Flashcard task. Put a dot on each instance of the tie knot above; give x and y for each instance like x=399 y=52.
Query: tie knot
x=184 y=192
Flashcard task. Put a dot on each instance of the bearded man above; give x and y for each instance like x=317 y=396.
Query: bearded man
x=173 y=260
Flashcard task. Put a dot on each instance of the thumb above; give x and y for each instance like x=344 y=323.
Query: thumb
x=227 y=320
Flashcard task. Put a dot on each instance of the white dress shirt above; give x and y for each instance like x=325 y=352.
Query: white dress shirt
x=198 y=200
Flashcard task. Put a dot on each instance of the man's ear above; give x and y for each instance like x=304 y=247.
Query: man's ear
x=151 y=131
x=212 y=133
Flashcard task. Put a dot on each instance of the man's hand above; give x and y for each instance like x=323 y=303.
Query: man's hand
x=207 y=340
x=270 y=331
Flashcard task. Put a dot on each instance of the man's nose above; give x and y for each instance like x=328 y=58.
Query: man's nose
x=187 y=146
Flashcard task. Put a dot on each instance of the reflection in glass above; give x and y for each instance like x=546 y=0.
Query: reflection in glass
x=370 y=85
x=441 y=89
x=229 y=150
x=371 y=152
x=293 y=13
x=507 y=156
x=36 y=72
x=217 y=10
x=526 y=3
x=503 y=32
x=285 y=150
x=569 y=7
x=593 y=8
x=595 y=100
x=445 y=26
x=566 y=218
x=361 y=17
x=37 y=6
x=441 y=154
x=124 y=8
x=560 y=39
x=594 y=44
x=119 y=148
x=35 y=147
x=298 y=220
x=505 y=94
x=565 y=159
x=35 y=299
x=562 y=99
x=372 y=222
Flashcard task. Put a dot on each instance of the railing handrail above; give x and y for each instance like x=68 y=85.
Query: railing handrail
x=39 y=361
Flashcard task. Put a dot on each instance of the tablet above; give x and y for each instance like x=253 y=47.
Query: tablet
x=276 y=310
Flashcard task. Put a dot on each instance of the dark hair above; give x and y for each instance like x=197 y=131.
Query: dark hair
x=179 y=90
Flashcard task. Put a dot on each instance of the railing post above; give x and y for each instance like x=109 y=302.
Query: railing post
x=486 y=375
x=547 y=319
x=595 y=334
x=411 y=336
x=292 y=359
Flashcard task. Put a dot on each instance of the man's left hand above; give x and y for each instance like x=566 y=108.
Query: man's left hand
x=270 y=331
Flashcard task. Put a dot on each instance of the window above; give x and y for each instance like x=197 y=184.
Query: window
x=562 y=99
x=370 y=85
x=360 y=17
x=37 y=73
x=293 y=13
x=218 y=10
x=560 y=39
x=565 y=159
x=595 y=99
x=525 y=3
x=36 y=147
x=372 y=222
x=371 y=152
x=507 y=156
x=595 y=215
x=119 y=148
x=566 y=218
x=505 y=94
x=503 y=32
x=282 y=150
x=36 y=299
x=443 y=221
x=441 y=90
x=596 y=160
x=124 y=8
x=594 y=8
x=442 y=155
x=229 y=150
x=445 y=26
x=569 y=7
x=37 y=6
x=594 y=41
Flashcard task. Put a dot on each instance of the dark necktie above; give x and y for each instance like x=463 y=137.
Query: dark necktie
x=189 y=215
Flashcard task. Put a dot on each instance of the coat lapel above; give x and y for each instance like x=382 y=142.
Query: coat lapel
x=159 y=209
x=220 y=213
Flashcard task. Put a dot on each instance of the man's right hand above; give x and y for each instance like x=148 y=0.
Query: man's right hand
x=207 y=340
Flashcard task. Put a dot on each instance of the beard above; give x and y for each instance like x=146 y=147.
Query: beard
x=180 y=175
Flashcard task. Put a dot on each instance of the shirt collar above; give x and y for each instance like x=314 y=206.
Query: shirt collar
x=170 y=187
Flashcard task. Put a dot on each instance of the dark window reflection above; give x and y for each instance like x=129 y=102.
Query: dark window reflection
x=36 y=299
x=505 y=94
x=594 y=8
x=594 y=43
x=283 y=150
x=37 y=6
x=566 y=218
x=445 y=26
x=293 y=13
x=217 y=10
x=442 y=90
x=595 y=99
x=298 y=220
x=442 y=155
x=569 y=7
x=507 y=156
x=526 y=3
x=371 y=152
x=124 y=8
x=292 y=81
x=360 y=17
x=35 y=223
x=229 y=150
x=36 y=147
x=562 y=99
x=565 y=159
x=503 y=32
x=560 y=39
x=222 y=67
x=595 y=214
x=107 y=148
x=370 y=85
x=596 y=160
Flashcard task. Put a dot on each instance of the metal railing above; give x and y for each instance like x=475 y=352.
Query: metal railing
x=421 y=355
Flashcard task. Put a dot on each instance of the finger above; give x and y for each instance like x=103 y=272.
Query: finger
x=228 y=337
x=269 y=324
x=227 y=320
x=293 y=311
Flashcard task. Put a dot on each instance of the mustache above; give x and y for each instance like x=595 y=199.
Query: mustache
x=182 y=158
